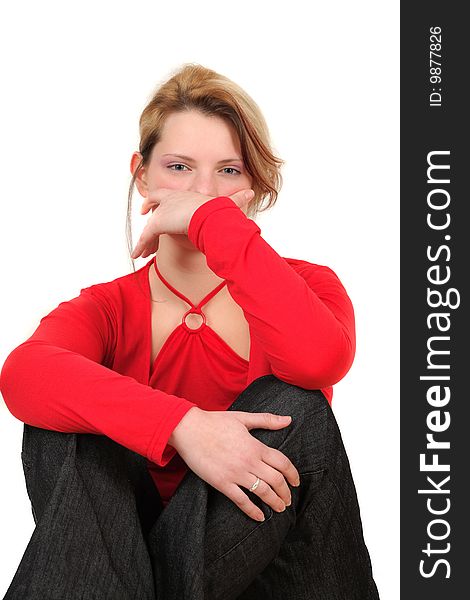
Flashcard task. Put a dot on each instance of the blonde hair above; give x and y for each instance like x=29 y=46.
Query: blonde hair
x=194 y=87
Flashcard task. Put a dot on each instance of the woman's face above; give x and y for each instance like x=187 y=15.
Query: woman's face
x=197 y=153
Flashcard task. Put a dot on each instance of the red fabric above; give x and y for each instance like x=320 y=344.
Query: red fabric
x=86 y=368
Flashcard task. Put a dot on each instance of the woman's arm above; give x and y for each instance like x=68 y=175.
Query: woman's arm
x=304 y=323
x=56 y=380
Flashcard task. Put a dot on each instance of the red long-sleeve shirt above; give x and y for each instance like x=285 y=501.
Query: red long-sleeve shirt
x=87 y=367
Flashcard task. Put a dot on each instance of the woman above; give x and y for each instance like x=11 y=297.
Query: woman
x=179 y=440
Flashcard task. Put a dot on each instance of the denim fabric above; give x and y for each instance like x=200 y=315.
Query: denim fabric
x=101 y=532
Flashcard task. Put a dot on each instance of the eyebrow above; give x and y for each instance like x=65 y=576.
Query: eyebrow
x=189 y=159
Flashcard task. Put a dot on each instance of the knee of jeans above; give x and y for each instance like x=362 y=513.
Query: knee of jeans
x=270 y=394
x=304 y=439
x=43 y=454
x=44 y=445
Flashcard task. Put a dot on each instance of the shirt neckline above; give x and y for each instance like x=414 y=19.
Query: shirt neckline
x=151 y=364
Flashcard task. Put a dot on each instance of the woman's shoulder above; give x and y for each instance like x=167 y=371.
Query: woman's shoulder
x=121 y=289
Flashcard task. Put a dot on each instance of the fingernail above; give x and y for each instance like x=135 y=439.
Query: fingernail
x=261 y=519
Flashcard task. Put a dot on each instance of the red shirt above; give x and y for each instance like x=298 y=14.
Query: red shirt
x=87 y=367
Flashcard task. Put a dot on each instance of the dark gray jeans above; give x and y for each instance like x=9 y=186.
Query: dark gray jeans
x=101 y=532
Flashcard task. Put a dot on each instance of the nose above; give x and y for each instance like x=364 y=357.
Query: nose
x=203 y=183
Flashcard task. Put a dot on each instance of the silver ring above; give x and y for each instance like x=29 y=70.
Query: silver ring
x=255 y=485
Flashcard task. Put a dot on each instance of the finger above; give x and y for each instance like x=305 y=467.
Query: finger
x=145 y=249
x=242 y=197
x=264 y=420
x=148 y=205
x=137 y=251
x=148 y=241
x=154 y=199
x=139 y=248
x=150 y=250
x=279 y=461
x=266 y=491
x=238 y=497
x=276 y=481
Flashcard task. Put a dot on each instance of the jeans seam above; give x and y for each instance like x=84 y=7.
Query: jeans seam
x=260 y=524
x=109 y=553
x=345 y=512
x=317 y=472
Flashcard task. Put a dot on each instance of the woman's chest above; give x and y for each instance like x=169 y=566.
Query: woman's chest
x=222 y=314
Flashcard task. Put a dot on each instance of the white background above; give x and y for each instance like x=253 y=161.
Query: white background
x=75 y=80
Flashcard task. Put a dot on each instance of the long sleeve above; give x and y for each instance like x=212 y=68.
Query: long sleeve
x=304 y=323
x=57 y=379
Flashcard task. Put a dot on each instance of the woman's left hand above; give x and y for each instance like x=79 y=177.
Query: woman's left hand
x=172 y=212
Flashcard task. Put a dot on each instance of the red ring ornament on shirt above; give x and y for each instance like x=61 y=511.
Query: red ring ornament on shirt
x=195 y=311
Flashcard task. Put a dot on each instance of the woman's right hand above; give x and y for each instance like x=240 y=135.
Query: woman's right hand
x=218 y=447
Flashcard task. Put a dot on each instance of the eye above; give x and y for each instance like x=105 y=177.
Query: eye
x=177 y=167
x=232 y=170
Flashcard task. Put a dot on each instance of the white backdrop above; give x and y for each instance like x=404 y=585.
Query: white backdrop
x=75 y=80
